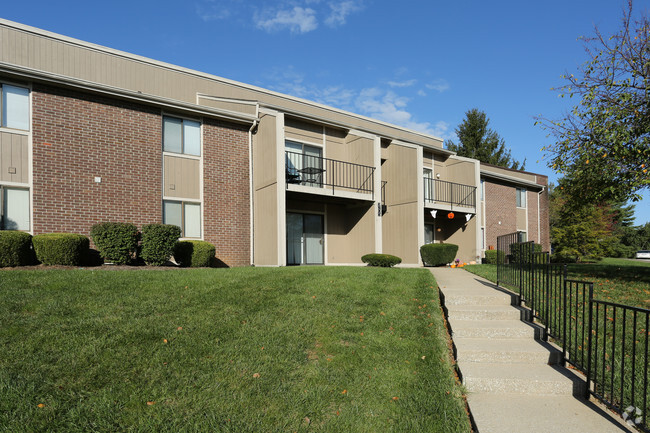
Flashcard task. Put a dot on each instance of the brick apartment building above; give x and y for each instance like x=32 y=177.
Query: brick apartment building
x=90 y=134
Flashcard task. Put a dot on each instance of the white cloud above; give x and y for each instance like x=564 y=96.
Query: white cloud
x=439 y=85
x=406 y=83
x=340 y=11
x=297 y=16
x=297 y=20
x=375 y=102
x=422 y=93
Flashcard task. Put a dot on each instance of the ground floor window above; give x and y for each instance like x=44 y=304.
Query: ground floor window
x=185 y=215
x=305 y=237
x=14 y=209
x=428 y=234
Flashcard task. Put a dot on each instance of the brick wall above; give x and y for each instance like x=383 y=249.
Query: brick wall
x=78 y=136
x=226 y=191
x=500 y=206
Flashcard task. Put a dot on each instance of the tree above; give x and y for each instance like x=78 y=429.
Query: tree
x=603 y=144
x=578 y=231
x=477 y=141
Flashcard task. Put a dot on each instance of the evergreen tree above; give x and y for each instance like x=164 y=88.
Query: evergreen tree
x=478 y=141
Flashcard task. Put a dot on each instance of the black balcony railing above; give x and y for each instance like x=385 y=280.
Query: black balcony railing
x=607 y=341
x=455 y=194
x=319 y=172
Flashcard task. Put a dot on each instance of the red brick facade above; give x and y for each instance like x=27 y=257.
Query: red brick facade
x=226 y=191
x=78 y=137
x=500 y=215
x=501 y=212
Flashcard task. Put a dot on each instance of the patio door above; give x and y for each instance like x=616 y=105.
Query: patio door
x=304 y=164
x=305 y=236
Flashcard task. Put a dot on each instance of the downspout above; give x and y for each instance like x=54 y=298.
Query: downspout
x=539 y=217
x=252 y=187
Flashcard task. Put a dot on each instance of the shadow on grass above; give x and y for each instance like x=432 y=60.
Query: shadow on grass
x=619 y=272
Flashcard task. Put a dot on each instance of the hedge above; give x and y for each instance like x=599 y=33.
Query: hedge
x=61 y=248
x=15 y=248
x=438 y=254
x=195 y=254
x=158 y=241
x=381 y=260
x=491 y=256
x=117 y=242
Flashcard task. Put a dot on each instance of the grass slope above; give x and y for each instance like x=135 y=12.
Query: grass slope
x=230 y=350
x=616 y=280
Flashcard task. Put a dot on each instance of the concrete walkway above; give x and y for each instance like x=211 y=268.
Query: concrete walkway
x=513 y=379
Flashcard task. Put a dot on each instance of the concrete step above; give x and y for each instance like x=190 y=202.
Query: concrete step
x=511 y=351
x=525 y=379
x=484 y=312
x=541 y=414
x=494 y=329
x=482 y=297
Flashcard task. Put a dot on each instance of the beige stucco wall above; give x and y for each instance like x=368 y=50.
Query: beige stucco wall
x=14 y=158
x=400 y=231
x=265 y=193
x=182 y=177
x=350 y=233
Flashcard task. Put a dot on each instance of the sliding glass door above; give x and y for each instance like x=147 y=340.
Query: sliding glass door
x=304 y=239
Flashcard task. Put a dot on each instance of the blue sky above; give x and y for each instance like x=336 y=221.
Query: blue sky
x=419 y=64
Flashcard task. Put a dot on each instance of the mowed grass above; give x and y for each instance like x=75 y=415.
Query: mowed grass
x=621 y=281
x=229 y=350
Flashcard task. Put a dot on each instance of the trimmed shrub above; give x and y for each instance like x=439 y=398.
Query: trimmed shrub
x=381 y=260
x=522 y=253
x=116 y=242
x=15 y=249
x=158 y=241
x=492 y=255
x=61 y=248
x=438 y=254
x=195 y=254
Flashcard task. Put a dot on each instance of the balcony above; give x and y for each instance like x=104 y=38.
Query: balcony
x=314 y=174
x=440 y=194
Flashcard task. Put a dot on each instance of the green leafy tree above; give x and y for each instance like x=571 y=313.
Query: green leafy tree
x=603 y=144
x=478 y=141
x=578 y=231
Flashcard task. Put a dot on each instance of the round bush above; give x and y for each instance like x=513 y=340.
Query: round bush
x=61 y=248
x=438 y=254
x=117 y=242
x=381 y=260
x=15 y=249
x=195 y=254
x=158 y=241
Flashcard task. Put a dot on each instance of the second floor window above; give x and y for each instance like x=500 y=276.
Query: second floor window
x=521 y=197
x=181 y=136
x=14 y=107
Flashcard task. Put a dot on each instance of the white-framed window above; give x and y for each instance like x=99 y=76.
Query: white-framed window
x=427 y=173
x=181 y=136
x=14 y=108
x=14 y=209
x=521 y=197
x=186 y=215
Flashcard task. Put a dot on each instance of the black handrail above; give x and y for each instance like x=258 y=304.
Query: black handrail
x=319 y=172
x=607 y=341
x=442 y=191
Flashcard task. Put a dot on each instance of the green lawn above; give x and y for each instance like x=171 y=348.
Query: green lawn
x=616 y=280
x=228 y=350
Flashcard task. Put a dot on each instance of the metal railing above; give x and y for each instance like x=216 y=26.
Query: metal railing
x=319 y=172
x=452 y=193
x=607 y=341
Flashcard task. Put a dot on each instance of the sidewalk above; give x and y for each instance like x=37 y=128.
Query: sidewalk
x=514 y=380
